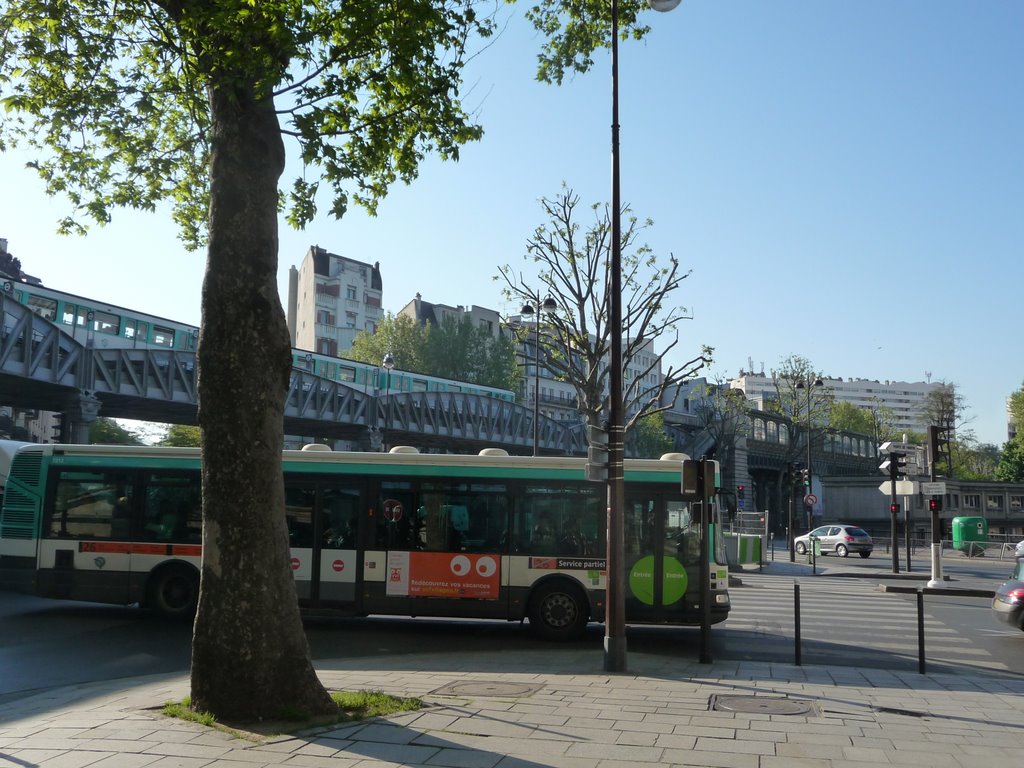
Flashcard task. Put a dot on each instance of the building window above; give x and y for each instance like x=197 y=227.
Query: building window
x=972 y=501
x=993 y=502
x=350 y=293
x=1016 y=502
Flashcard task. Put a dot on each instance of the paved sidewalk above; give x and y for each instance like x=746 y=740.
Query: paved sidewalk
x=555 y=708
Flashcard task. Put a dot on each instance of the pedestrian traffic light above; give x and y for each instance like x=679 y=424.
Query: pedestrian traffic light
x=934 y=505
x=740 y=492
x=894 y=508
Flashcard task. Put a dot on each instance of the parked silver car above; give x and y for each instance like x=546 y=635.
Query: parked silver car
x=840 y=538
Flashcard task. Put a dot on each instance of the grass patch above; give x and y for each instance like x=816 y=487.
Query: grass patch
x=352 y=706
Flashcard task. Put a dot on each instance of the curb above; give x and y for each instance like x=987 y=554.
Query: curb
x=989 y=593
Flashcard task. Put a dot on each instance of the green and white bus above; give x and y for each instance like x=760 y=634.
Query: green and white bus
x=401 y=533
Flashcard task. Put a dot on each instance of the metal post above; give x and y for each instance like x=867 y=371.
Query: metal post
x=615 y=618
x=936 y=579
x=906 y=527
x=705 y=562
x=789 y=529
x=796 y=622
x=810 y=473
x=920 y=631
x=536 y=383
x=388 y=362
x=894 y=510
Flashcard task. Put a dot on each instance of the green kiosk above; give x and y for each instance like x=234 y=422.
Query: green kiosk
x=970 y=535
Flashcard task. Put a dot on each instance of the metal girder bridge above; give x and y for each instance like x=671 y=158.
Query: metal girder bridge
x=43 y=367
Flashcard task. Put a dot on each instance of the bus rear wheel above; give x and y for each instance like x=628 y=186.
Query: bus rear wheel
x=558 y=611
x=173 y=592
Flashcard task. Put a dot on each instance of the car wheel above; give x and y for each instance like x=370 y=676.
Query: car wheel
x=558 y=611
x=841 y=550
x=801 y=548
x=865 y=554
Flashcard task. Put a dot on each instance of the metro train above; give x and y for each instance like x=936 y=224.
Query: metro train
x=95 y=323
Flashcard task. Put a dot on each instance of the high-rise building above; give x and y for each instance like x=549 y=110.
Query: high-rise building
x=331 y=298
x=905 y=399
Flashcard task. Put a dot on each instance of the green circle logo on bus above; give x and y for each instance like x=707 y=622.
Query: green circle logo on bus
x=641 y=580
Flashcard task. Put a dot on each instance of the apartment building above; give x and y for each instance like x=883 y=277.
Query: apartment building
x=905 y=399
x=332 y=298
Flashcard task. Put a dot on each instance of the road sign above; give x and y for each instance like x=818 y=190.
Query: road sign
x=810 y=499
x=933 y=489
x=893 y=447
x=903 y=487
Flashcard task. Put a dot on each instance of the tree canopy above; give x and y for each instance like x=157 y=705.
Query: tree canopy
x=454 y=350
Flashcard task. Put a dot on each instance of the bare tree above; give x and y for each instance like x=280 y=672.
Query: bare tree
x=572 y=267
x=801 y=394
x=724 y=413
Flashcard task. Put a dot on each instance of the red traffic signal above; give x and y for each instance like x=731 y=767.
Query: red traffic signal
x=894 y=508
x=934 y=505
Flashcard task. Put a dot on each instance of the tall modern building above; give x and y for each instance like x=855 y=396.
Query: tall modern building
x=331 y=298
x=905 y=399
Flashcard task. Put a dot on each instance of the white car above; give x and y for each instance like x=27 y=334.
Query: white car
x=840 y=538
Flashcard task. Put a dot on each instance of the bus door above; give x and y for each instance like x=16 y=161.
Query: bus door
x=323 y=524
x=436 y=549
x=661 y=552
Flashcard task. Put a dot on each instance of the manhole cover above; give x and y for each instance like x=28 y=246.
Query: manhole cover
x=487 y=688
x=766 y=705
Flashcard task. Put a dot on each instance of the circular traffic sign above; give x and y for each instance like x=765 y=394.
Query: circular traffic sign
x=810 y=499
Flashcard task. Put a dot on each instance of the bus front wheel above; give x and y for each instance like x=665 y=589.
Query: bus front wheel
x=558 y=611
x=173 y=592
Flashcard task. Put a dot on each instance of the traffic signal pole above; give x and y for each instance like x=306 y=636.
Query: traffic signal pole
x=936 y=436
x=894 y=509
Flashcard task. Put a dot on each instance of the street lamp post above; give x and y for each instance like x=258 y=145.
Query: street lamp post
x=808 y=384
x=547 y=306
x=388 y=362
x=615 y=606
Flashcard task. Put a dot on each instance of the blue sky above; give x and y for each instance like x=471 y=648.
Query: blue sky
x=845 y=181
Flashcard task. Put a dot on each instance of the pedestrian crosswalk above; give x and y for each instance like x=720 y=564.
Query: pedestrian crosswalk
x=842 y=620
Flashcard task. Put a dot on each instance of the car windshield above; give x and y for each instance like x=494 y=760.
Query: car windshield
x=856 y=531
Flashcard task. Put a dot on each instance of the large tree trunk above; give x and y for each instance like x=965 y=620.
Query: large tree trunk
x=250 y=656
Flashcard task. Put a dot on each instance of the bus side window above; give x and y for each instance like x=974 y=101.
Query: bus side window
x=84 y=506
x=298 y=510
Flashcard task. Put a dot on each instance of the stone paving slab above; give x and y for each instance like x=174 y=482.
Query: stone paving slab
x=576 y=716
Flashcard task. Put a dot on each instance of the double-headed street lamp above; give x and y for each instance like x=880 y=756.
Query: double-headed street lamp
x=547 y=306
x=808 y=384
x=388 y=363
x=615 y=606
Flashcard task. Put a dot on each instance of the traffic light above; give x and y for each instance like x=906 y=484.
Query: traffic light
x=938 y=448
x=740 y=492
x=895 y=465
x=805 y=475
x=597 y=454
x=894 y=508
x=934 y=505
